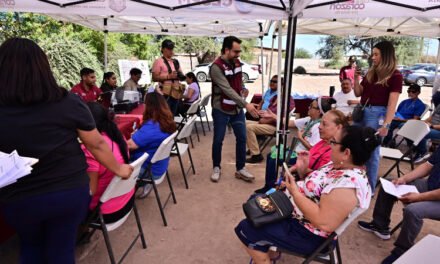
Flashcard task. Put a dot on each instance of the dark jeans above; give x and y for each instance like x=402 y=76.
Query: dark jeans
x=271 y=169
x=172 y=103
x=221 y=120
x=47 y=224
x=394 y=124
x=413 y=215
x=182 y=109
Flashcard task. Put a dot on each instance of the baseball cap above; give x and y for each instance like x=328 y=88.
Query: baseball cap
x=167 y=44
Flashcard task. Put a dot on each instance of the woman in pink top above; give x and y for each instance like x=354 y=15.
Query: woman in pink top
x=100 y=177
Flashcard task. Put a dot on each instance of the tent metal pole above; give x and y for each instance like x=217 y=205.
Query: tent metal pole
x=434 y=86
x=279 y=65
x=271 y=57
x=105 y=46
x=262 y=65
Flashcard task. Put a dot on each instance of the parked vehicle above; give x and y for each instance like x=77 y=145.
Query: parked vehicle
x=421 y=74
x=250 y=72
x=401 y=67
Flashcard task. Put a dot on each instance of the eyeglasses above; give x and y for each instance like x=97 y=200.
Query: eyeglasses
x=411 y=91
x=332 y=142
x=273 y=81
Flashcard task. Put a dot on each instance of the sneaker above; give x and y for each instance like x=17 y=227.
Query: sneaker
x=245 y=175
x=419 y=158
x=146 y=190
x=255 y=159
x=390 y=259
x=215 y=176
x=370 y=227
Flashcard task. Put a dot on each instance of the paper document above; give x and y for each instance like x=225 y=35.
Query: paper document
x=13 y=167
x=397 y=190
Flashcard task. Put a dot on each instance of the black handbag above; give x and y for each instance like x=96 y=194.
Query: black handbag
x=265 y=209
x=358 y=112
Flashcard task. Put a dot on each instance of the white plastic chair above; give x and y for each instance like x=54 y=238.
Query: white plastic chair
x=192 y=111
x=181 y=148
x=161 y=153
x=329 y=251
x=116 y=188
x=202 y=111
x=413 y=130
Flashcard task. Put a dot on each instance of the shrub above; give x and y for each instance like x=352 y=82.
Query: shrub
x=300 y=70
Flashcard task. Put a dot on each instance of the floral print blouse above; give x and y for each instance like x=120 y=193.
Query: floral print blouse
x=323 y=181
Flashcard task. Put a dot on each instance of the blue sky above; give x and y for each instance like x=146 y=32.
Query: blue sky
x=311 y=43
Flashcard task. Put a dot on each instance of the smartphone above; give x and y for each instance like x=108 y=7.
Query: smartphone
x=284 y=170
x=134 y=126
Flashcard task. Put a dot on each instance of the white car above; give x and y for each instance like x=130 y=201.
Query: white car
x=250 y=72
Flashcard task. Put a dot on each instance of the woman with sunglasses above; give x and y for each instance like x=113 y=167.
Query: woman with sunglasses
x=309 y=132
x=379 y=92
x=322 y=201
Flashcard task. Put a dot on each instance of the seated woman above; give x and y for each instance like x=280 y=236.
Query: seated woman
x=322 y=201
x=100 y=176
x=191 y=94
x=158 y=124
x=309 y=131
x=109 y=82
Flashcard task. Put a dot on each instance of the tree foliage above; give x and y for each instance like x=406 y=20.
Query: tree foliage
x=407 y=48
x=301 y=53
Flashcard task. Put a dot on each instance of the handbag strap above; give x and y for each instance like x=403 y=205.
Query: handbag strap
x=365 y=105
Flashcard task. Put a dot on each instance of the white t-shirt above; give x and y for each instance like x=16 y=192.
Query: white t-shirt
x=312 y=136
x=341 y=101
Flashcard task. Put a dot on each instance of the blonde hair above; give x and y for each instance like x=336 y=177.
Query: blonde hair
x=387 y=64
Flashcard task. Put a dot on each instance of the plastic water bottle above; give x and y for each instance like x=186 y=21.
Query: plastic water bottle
x=381 y=120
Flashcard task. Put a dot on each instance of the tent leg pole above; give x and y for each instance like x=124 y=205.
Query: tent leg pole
x=105 y=46
x=435 y=85
x=271 y=57
x=262 y=66
x=279 y=123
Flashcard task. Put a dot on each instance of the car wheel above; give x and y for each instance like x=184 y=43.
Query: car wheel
x=202 y=77
x=245 y=77
x=421 y=81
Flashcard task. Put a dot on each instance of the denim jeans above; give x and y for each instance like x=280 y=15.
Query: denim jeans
x=371 y=118
x=172 y=103
x=237 y=121
x=421 y=147
x=413 y=215
x=271 y=169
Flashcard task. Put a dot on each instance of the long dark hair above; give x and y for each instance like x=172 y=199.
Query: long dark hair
x=193 y=77
x=107 y=76
x=105 y=124
x=361 y=141
x=158 y=111
x=25 y=74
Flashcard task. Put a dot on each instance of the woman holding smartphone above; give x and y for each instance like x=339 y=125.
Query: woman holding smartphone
x=379 y=91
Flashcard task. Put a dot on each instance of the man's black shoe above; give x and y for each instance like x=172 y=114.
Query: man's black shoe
x=255 y=159
x=371 y=227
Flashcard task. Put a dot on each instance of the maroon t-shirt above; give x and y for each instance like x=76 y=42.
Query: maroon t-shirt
x=378 y=93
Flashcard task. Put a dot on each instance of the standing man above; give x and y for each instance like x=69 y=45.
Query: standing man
x=345 y=99
x=86 y=89
x=132 y=84
x=167 y=72
x=227 y=107
x=347 y=72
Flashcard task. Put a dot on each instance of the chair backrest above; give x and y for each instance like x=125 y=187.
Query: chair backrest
x=193 y=108
x=351 y=217
x=414 y=130
x=118 y=186
x=187 y=128
x=205 y=100
x=164 y=149
x=424 y=112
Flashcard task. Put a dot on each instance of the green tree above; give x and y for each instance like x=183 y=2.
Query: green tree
x=301 y=53
x=67 y=57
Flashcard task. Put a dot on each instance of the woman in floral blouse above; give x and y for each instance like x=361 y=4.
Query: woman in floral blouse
x=322 y=201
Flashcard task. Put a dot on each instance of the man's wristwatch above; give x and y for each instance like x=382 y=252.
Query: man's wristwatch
x=387 y=126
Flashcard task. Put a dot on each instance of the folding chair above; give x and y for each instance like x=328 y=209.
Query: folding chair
x=202 y=111
x=329 y=251
x=192 y=111
x=181 y=148
x=161 y=153
x=118 y=187
x=413 y=130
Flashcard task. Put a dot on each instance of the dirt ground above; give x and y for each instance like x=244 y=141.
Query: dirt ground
x=200 y=226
